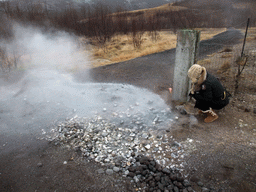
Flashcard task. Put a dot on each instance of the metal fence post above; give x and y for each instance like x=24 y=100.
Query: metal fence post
x=186 y=54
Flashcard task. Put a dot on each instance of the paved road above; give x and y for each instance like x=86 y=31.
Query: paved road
x=155 y=71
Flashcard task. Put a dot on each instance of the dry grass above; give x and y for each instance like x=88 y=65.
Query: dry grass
x=227 y=55
x=148 y=12
x=208 y=33
x=251 y=35
x=163 y=8
x=224 y=67
x=121 y=48
x=151 y=11
x=204 y=62
x=244 y=5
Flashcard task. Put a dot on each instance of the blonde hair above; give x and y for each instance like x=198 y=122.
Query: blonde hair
x=195 y=73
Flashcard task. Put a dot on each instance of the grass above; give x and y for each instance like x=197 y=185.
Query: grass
x=251 y=35
x=147 y=12
x=166 y=7
x=151 y=11
x=121 y=48
x=204 y=62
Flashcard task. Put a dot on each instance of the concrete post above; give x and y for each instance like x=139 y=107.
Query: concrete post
x=186 y=54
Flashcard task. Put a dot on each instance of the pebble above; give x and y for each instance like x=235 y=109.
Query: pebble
x=204 y=189
x=109 y=171
x=100 y=171
x=186 y=183
x=125 y=150
x=116 y=169
x=126 y=172
x=147 y=147
x=176 y=189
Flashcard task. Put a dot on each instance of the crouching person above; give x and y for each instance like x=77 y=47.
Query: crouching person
x=207 y=91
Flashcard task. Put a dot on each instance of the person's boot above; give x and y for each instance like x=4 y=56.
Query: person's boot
x=200 y=112
x=211 y=116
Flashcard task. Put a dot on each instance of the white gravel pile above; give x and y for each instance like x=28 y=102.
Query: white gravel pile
x=117 y=144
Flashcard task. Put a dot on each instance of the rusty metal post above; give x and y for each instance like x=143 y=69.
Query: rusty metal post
x=186 y=54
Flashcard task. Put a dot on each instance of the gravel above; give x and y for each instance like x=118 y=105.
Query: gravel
x=148 y=155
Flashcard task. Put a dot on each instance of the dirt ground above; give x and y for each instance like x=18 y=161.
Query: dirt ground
x=221 y=155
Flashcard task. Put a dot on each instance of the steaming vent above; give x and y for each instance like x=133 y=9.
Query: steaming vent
x=43 y=98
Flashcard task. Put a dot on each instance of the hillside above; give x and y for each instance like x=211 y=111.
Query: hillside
x=231 y=12
x=130 y=5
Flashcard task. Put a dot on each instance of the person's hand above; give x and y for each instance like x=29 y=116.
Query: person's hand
x=191 y=94
x=192 y=91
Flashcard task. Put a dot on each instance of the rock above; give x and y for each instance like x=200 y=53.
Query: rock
x=147 y=147
x=173 y=177
x=165 y=170
x=136 y=179
x=183 y=112
x=175 y=144
x=176 y=189
x=170 y=187
x=153 y=163
x=180 y=178
x=161 y=186
x=194 y=179
x=152 y=184
x=199 y=183
x=126 y=172
x=132 y=169
x=144 y=135
x=144 y=160
x=109 y=171
x=157 y=178
x=247 y=110
x=116 y=169
x=100 y=171
x=179 y=185
x=144 y=172
x=39 y=164
x=131 y=174
x=181 y=109
x=204 y=189
x=152 y=168
x=186 y=183
x=254 y=110
x=118 y=145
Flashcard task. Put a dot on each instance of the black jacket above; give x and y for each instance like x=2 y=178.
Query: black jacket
x=211 y=94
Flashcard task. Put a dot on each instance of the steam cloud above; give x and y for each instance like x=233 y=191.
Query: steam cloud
x=52 y=50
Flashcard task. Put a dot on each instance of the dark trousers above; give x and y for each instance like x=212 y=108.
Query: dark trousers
x=205 y=105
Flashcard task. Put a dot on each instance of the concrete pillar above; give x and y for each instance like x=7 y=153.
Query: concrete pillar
x=186 y=54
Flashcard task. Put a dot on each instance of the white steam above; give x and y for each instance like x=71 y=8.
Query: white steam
x=57 y=50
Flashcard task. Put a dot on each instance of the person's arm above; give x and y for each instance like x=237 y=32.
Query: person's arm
x=204 y=94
